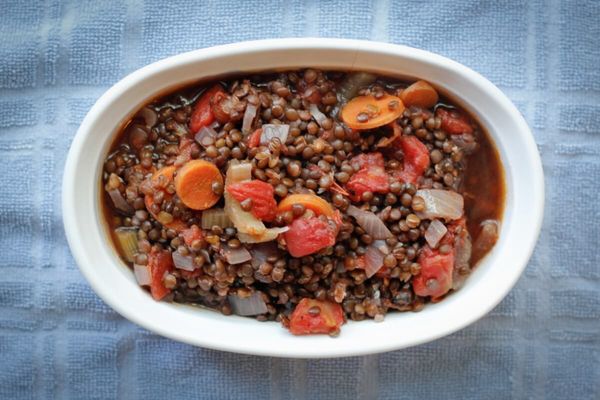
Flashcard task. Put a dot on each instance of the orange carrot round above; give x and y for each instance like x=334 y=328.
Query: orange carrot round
x=367 y=112
x=309 y=201
x=420 y=94
x=194 y=184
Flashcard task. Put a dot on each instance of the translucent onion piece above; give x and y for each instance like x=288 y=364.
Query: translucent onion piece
x=249 y=115
x=119 y=202
x=183 y=262
x=269 y=235
x=374 y=260
x=465 y=141
x=441 y=204
x=206 y=136
x=488 y=236
x=435 y=232
x=215 y=216
x=261 y=251
x=382 y=246
x=269 y=131
x=149 y=116
x=128 y=242
x=353 y=83
x=235 y=256
x=238 y=173
x=462 y=256
x=317 y=114
x=138 y=136
x=142 y=274
x=247 y=306
x=244 y=221
x=370 y=223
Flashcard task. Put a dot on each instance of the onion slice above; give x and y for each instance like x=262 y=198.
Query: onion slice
x=149 y=116
x=119 y=202
x=249 y=115
x=238 y=172
x=487 y=237
x=235 y=256
x=373 y=260
x=462 y=256
x=270 y=131
x=435 y=232
x=382 y=246
x=183 y=262
x=142 y=274
x=244 y=221
x=353 y=83
x=247 y=306
x=441 y=204
x=268 y=235
x=206 y=136
x=370 y=223
x=465 y=141
x=262 y=251
x=317 y=114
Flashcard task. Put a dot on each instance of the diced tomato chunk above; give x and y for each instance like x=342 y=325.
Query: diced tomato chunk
x=262 y=194
x=309 y=235
x=315 y=316
x=366 y=160
x=371 y=176
x=202 y=114
x=160 y=262
x=190 y=235
x=454 y=122
x=254 y=140
x=416 y=159
x=435 y=279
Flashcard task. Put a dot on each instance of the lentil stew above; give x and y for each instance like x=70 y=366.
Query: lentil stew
x=307 y=197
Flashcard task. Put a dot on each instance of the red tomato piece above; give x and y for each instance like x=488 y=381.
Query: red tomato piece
x=373 y=179
x=367 y=160
x=190 y=235
x=416 y=159
x=315 y=316
x=309 y=235
x=454 y=122
x=202 y=114
x=264 y=206
x=254 y=140
x=371 y=176
x=159 y=262
x=435 y=278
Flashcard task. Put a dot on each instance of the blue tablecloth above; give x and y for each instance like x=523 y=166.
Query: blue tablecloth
x=59 y=340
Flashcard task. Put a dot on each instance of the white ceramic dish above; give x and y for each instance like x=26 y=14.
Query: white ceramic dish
x=485 y=288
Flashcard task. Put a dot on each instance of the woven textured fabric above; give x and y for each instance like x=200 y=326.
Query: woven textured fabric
x=59 y=340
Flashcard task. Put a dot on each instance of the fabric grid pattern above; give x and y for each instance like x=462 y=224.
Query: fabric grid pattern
x=59 y=340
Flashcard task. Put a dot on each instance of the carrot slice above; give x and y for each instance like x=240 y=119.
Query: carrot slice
x=420 y=94
x=167 y=172
x=367 y=112
x=309 y=201
x=193 y=184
